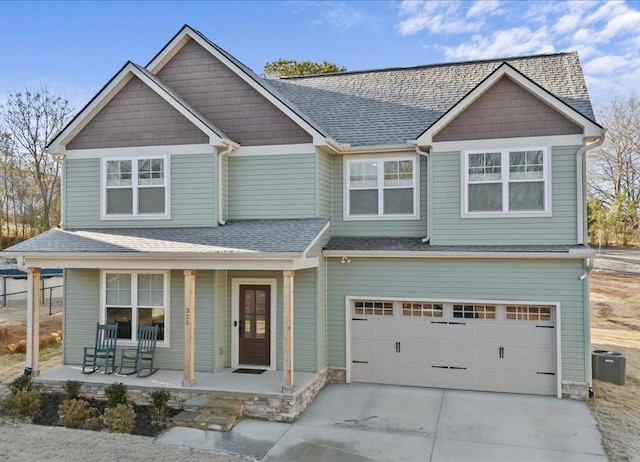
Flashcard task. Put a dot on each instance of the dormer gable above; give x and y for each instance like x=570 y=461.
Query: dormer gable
x=135 y=109
x=507 y=104
x=228 y=93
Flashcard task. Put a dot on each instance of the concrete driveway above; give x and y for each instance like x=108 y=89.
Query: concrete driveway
x=362 y=422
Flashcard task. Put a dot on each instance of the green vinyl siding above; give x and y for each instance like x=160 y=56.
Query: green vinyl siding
x=469 y=280
x=272 y=186
x=82 y=312
x=222 y=316
x=450 y=229
x=192 y=192
x=382 y=227
x=324 y=185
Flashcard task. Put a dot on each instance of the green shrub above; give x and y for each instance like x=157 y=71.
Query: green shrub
x=21 y=383
x=22 y=403
x=116 y=393
x=73 y=412
x=120 y=419
x=72 y=389
x=159 y=405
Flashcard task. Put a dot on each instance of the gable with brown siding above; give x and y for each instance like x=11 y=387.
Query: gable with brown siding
x=137 y=116
x=506 y=110
x=227 y=101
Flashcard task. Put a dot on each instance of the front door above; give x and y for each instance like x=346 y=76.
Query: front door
x=254 y=326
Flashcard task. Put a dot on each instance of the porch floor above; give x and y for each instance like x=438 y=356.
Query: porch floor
x=267 y=383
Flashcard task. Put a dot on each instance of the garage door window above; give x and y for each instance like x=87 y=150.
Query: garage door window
x=529 y=313
x=374 y=308
x=429 y=310
x=474 y=311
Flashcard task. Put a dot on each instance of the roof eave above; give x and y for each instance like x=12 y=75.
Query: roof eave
x=571 y=254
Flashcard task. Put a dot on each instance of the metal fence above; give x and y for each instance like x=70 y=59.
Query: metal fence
x=42 y=297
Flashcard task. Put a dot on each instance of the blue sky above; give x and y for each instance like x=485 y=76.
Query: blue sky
x=74 y=48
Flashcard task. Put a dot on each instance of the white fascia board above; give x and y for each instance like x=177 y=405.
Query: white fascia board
x=590 y=128
x=175 y=263
x=180 y=40
x=338 y=148
x=170 y=150
x=316 y=239
x=504 y=143
x=572 y=254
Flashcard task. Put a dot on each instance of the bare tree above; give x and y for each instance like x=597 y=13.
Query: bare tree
x=33 y=117
x=614 y=168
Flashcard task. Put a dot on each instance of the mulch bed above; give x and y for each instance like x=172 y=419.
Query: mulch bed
x=48 y=414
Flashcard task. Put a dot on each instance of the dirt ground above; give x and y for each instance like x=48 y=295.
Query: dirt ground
x=13 y=331
x=615 y=321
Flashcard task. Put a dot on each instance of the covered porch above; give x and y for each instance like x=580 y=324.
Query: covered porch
x=261 y=394
x=204 y=271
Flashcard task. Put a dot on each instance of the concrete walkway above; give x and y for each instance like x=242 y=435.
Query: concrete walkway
x=362 y=422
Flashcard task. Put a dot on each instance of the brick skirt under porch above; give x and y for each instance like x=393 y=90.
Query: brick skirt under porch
x=261 y=394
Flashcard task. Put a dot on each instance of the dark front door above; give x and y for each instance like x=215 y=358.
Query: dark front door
x=254 y=335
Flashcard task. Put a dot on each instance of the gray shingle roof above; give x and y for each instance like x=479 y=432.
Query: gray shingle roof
x=391 y=106
x=414 y=244
x=237 y=237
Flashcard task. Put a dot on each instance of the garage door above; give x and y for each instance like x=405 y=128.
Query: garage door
x=508 y=348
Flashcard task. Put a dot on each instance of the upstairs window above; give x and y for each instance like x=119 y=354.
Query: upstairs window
x=135 y=187
x=381 y=188
x=506 y=182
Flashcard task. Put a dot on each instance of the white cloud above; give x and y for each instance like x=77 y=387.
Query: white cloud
x=503 y=43
x=605 y=64
x=484 y=8
x=567 y=23
x=435 y=17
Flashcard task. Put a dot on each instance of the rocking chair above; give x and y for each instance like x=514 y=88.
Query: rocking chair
x=136 y=359
x=103 y=352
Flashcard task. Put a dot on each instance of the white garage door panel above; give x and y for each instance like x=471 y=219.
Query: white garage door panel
x=493 y=354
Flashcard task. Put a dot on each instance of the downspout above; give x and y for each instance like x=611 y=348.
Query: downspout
x=588 y=263
x=230 y=147
x=59 y=158
x=580 y=190
x=427 y=154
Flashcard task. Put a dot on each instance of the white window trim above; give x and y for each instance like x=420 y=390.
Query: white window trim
x=134 y=321
x=134 y=171
x=235 y=316
x=548 y=186
x=381 y=158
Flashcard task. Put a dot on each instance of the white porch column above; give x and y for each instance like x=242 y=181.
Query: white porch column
x=33 y=320
x=287 y=335
x=188 y=378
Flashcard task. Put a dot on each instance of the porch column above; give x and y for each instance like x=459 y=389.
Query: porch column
x=188 y=378
x=33 y=320
x=287 y=335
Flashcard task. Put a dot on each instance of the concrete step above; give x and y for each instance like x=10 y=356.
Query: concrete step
x=218 y=422
x=223 y=406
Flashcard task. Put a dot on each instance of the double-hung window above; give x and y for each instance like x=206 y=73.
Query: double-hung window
x=381 y=188
x=135 y=187
x=505 y=182
x=133 y=299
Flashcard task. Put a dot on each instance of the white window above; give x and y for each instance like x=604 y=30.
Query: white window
x=381 y=188
x=135 y=187
x=506 y=182
x=135 y=299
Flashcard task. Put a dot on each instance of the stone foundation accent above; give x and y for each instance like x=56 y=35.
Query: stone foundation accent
x=275 y=407
x=337 y=375
x=575 y=390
